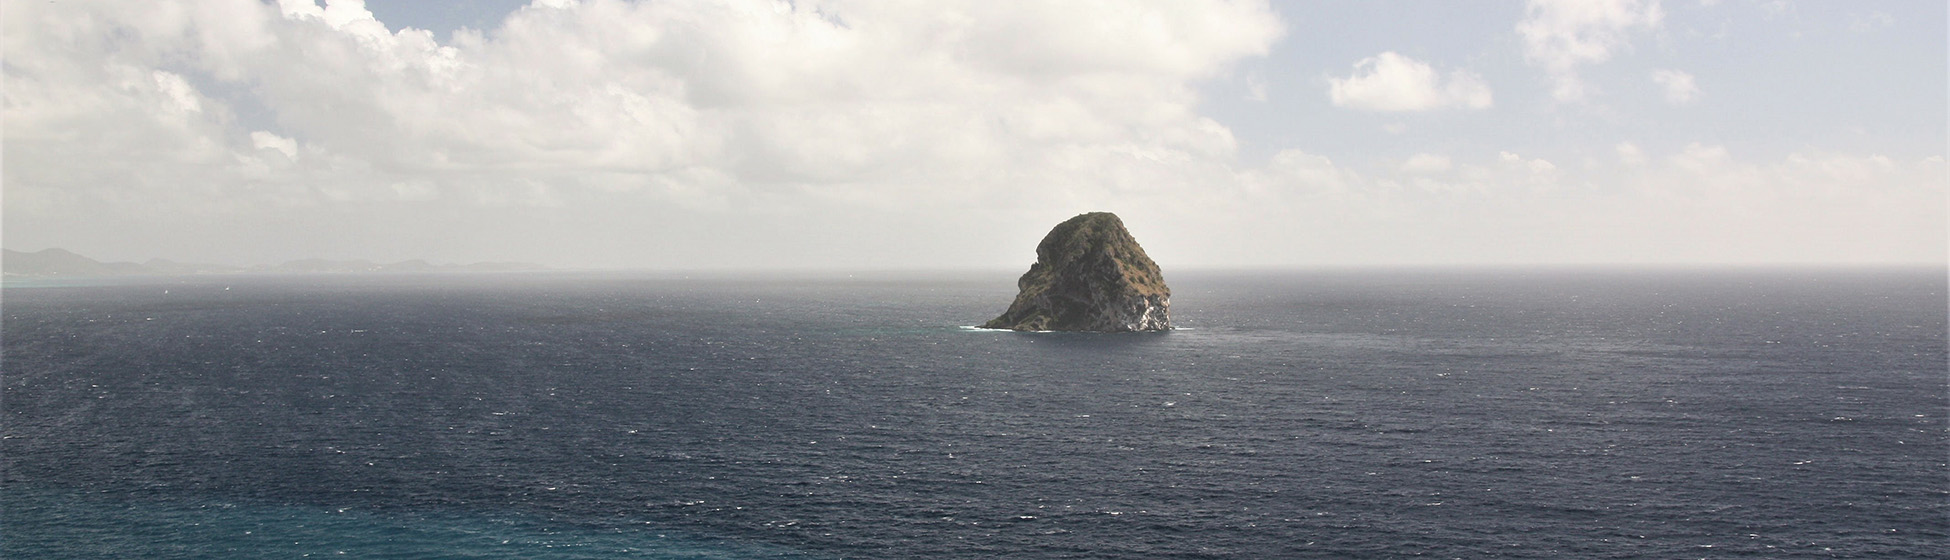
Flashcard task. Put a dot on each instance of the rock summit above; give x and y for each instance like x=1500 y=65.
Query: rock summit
x=1090 y=275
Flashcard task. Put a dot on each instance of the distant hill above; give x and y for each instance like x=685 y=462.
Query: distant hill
x=322 y=266
x=60 y=262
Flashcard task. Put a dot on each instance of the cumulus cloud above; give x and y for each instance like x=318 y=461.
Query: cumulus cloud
x=241 y=107
x=700 y=133
x=1392 y=82
x=1562 y=35
x=1678 y=86
x=765 y=91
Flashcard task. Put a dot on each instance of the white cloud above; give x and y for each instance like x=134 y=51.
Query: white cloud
x=1679 y=87
x=416 y=190
x=1392 y=82
x=1422 y=164
x=183 y=98
x=1255 y=87
x=1538 y=167
x=1295 y=169
x=763 y=91
x=1561 y=35
x=1859 y=23
x=159 y=112
x=1777 y=8
x=698 y=133
x=265 y=140
x=1701 y=157
x=1630 y=154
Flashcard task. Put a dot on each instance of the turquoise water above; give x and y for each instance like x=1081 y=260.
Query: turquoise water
x=57 y=524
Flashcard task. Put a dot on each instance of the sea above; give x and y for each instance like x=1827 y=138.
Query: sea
x=1333 y=413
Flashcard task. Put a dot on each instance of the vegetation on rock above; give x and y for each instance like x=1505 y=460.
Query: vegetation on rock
x=1090 y=275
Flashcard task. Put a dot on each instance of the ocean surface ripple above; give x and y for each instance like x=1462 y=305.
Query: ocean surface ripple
x=1325 y=414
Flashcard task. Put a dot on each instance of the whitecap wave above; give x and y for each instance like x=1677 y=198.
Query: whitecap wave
x=980 y=329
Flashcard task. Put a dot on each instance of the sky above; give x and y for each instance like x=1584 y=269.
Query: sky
x=838 y=134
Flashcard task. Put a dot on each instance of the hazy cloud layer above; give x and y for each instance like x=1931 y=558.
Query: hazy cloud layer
x=1700 y=205
x=746 y=133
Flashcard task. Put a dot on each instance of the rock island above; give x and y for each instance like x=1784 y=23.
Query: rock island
x=1090 y=275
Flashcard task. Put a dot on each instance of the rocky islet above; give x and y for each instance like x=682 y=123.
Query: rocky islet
x=1090 y=275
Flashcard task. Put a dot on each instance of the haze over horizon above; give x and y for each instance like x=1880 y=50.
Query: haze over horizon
x=838 y=134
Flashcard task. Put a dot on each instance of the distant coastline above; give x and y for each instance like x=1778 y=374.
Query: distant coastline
x=61 y=263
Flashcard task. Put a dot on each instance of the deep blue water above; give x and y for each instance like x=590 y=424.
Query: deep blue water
x=1328 y=414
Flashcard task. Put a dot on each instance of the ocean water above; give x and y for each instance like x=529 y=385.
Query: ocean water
x=1776 y=413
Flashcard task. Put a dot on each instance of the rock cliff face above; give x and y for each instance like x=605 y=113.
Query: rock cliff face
x=1090 y=275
